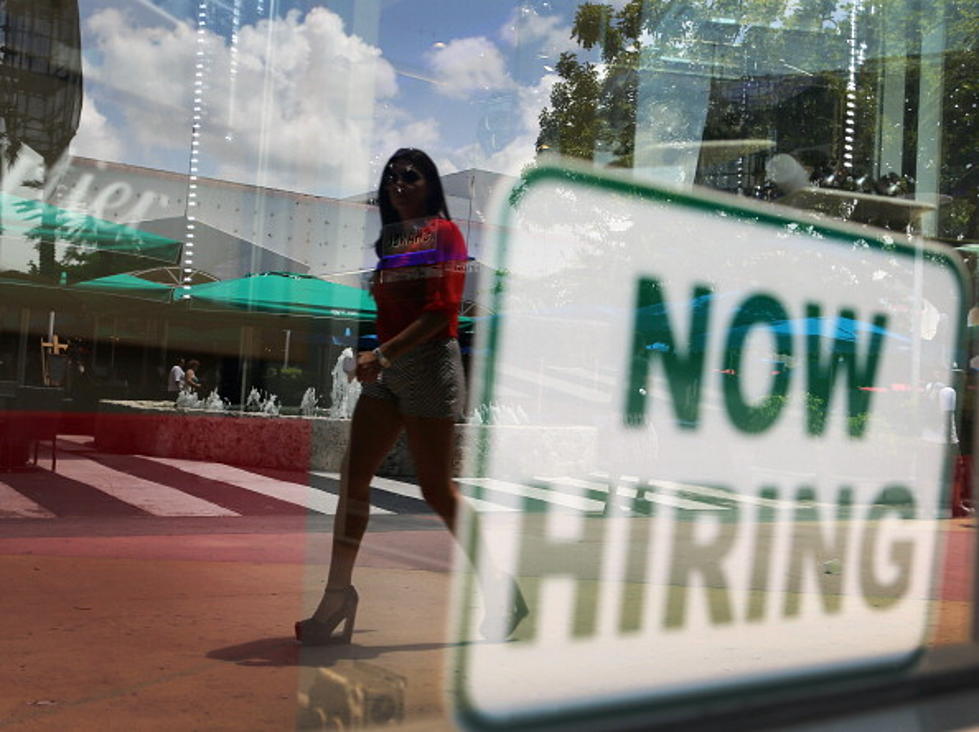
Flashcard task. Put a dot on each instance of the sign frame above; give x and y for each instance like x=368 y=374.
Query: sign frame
x=750 y=695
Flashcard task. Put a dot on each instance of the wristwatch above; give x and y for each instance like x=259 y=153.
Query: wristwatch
x=381 y=358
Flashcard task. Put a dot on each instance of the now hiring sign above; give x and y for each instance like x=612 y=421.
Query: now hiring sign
x=733 y=460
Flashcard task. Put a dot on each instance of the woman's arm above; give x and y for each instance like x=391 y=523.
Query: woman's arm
x=419 y=330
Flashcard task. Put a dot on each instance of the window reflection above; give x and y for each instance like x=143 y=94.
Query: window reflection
x=192 y=181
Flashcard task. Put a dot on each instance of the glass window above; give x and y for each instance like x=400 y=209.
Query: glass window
x=664 y=310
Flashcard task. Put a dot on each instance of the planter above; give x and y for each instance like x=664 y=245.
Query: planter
x=319 y=443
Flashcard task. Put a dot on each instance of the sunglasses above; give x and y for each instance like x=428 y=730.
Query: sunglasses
x=406 y=176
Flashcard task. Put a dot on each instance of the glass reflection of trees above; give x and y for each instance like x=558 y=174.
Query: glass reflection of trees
x=40 y=87
x=808 y=76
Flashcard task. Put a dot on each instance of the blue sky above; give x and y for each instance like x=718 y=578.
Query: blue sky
x=313 y=96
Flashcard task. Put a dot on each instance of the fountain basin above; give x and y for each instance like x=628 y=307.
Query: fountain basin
x=319 y=443
x=160 y=430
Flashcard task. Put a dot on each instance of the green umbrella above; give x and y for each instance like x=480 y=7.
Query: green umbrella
x=130 y=285
x=39 y=220
x=284 y=293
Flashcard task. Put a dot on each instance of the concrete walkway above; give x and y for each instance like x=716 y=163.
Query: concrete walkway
x=118 y=632
x=192 y=629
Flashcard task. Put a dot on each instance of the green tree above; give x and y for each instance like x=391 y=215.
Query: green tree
x=806 y=74
x=601 y=104
x=41 y=97
x=80 y=263
x=591 y=111
x=573 y=125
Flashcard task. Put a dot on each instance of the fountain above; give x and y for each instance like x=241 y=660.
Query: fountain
x=269 y=404
x=188 y=400
x=259 y=433
x=307 y=407
x=345 y=389
x=214 y=403
x=253 y=402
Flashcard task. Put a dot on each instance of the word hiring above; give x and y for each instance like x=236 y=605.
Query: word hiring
x=653 y=338
x=735 y=564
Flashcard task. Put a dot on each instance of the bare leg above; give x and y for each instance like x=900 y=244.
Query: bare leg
x=432 y=443
x=375 y=427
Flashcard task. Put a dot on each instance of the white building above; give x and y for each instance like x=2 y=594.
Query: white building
x=237 y=229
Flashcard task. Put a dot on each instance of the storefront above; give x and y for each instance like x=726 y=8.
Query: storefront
x=720 y=265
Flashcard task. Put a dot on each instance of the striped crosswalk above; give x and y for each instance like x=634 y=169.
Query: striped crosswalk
x=153 y=498
x=17 y=505
x=293 y=493
x=88 y=483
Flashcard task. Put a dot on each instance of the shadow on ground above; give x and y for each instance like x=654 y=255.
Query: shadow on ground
x=285 y=651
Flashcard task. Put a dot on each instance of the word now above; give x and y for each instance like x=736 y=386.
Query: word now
x=653 y=339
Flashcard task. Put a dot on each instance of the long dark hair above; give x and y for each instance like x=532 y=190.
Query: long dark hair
x=435 y=204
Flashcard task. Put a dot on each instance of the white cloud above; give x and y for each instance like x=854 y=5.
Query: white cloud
x=152 y=66
x=528 y=101
x=445 y=165
x=422 y=134
x=307 y=107
x=310 y=107
x=96 y=136
x=534 y=98
x=465 y=66
x=527 y=28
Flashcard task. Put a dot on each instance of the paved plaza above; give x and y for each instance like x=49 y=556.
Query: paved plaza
x=155 y=593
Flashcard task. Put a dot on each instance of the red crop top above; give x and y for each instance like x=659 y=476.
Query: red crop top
x=420 y=272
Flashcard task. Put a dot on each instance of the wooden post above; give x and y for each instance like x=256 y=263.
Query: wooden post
x=54 y=347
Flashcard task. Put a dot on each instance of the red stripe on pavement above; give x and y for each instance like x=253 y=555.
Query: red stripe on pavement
x=66 y=497
x=235 y=498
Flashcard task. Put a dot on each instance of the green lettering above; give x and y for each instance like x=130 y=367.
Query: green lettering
x=640 y=528
x=762 y=552
x=546 y=556
x=652 y=335
x=706 y=558
x=756 y=310
x=822 y=373
x=881 y=595
x=827 y=556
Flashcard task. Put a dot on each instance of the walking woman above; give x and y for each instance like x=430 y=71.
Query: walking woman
x=413 y=381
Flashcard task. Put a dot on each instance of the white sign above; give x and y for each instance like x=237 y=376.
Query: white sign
x=755 y=500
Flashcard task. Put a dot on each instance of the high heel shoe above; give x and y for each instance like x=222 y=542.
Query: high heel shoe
x=518 y=610
x=313 y=632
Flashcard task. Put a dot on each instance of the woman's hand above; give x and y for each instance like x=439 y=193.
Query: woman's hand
x=368 y=367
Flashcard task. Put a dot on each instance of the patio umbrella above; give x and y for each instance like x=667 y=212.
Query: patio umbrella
x=282 y=293
x=129 y=285
x=173 y=276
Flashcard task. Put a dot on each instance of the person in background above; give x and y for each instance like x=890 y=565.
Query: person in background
x=191 y=382
x=175 y=379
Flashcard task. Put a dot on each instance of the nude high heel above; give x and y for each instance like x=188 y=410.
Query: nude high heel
x=515 y=613
x=313 y=632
